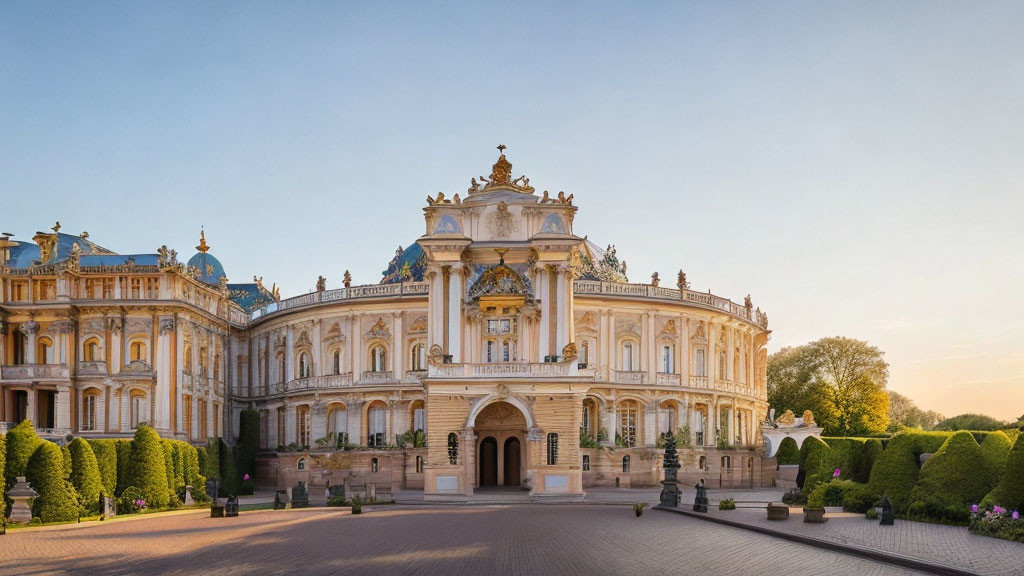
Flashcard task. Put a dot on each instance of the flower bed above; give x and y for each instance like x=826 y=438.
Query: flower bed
x=997 y=523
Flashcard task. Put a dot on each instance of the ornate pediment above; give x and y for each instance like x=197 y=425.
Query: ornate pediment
x=378 y=331
x=669 y=331
x=418 y=326
x=501 y=177
x=499 y=280
x=303 y=341
x=334 y=334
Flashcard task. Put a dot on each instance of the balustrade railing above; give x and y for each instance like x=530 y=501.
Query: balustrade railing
x=27 y=371
x=382 y=377
x=501 y=370
x=92 y=368
x=705 y=299
x=629 y=377
x=665 y=379
x=350 y=293
x=699 y=382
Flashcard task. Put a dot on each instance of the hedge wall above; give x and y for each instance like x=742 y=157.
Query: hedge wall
x=57 y=500
x=212 y=469
x=202 y=455
x=230 y=481
x=248 y=441
x=897 y=468
x=106 y=460
x=124 y=460
x=147 y=468
x=815 y=463
x=85 y=474
x=951 y=480
x=1009 y=493
x=994 y=451
x=190 y=467
x=3 y=457
x=788 y=452
x=21 y=443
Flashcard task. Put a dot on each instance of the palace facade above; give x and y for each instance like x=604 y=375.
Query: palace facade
x=499 y=349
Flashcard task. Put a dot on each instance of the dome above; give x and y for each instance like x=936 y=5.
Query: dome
x=208 y=268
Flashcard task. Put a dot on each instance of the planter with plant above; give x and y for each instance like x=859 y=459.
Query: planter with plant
x=638 y=508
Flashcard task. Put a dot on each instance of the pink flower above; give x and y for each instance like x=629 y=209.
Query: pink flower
x=836 y=473
x=246 y=477
x=1015 y=515
x=998 y=510
x=974 y=508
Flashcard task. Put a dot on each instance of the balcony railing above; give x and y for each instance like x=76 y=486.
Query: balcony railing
x=629 y=376
x=665 y=379
x=501 y=370
x=414 y=376
x=34 y=371
x=350 y=293
x=381 y=377
x=702 y=299
x=92 y=368
x=699 y=382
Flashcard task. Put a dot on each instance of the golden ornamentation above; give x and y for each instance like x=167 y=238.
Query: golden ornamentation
x=501 y=177
x=787 y=418
x=203 y=246
x=502 y=223
x=808 y=418
x=655 y=280
x=569 y=352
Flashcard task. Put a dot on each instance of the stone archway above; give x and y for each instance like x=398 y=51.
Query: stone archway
x=501 y=428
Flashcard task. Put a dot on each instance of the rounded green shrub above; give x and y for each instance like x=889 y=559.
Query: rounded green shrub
x=190 y=467
x=788 y=453
x=124 y=459
x=57 y=500
x=1009 y=493
x=3 y=457
x=897 y=468
x=248 y=441
x=994 y=450
x=212 y=469
x=230 y=481
x=954 y=478
x=85 y=474
x=21 y=442
x=203 y=457
x=864 y=460
x=815 y=463
x=106 y=459
x=147 y=468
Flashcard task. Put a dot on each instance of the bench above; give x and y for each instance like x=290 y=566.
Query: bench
x=778 y=511
x=751 y=504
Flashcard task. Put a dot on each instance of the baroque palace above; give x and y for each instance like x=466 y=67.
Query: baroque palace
x=499 y=349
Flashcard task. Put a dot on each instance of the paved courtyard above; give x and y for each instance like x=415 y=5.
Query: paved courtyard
x=521 y=539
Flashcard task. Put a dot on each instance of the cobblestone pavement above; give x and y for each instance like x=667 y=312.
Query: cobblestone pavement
x=522 y=539
x=934 y=543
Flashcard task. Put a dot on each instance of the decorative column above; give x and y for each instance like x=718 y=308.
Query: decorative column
x=62 y=409
x=468 y=448
x=289 y=424
x=608 y=365
x=289 y=353
x=355 y=421
x=30 y=329
x=399 y=335
x=455 y=312
x=544 y=331
x=608 y=423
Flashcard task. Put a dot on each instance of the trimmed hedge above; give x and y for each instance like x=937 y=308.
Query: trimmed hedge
x=201 y=454
x=951 y=480
x=1009 y=493
x=124 y=459
x=896 y=470
x=248 y=441
x=3 y=456
x=190 y=467
x=85 y=474
x=21 y=442
x=815 y=463
x=106 y=460
x=147 y=468
x=57 y=500
x=789 y=452
x=994 y=451
x=230 y=481
x=212 y=469
x=855 y=457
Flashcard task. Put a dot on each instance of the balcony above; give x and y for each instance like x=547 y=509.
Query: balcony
x=629 y=377
x=327 y=382
x=699 y=382
x=665 y=379
x=414 y=376
x=92 y=368
x=502 y=370
x=381 y=377
x=34 y=372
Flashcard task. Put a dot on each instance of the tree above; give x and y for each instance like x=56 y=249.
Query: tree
x=147 y=471
x=841 y=380
x=21 y=444
x=57 y=500
x=85 y=474
x=248 y=441
x=904 y=413
x=970 y=422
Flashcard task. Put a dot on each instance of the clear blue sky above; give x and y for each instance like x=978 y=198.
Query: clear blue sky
x=856 y=167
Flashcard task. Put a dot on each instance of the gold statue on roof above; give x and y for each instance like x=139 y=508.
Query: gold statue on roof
x=203 y=246
x=501 y=177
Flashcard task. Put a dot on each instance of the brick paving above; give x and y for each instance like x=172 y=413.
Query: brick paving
x=519 y=539
x=951 y=546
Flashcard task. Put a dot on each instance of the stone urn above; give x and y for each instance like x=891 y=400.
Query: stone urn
x=21 y=512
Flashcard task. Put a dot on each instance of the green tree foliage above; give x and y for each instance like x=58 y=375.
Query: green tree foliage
x=952 y=479
x=896 y=470
x=106 y=459
x=903 y=413
x=57 y=500
x=788 y=452
x=147 y=468
x=230 y=480
x=190 y=466
x=841 y=380
x=66 y=454
x=1009 y=493
x=248 y=441
x=22 y=442
x=202 y=455
x=124 y=459
x=213 y=459
x=815 y=462
x=970 y=422
x=85 y=474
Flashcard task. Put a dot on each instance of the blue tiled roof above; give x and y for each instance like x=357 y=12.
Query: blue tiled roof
x=118 y=260
x=249 y=295
x=407 y=266
x=210 y=269
x=26 y=253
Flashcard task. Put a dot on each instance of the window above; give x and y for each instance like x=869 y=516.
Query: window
x=453 y=448
x=419 y=357
x=93 y=288
x=667 y=360
x=419 y=419
x=280 y=426
x=701 y=367
x=136 y=288
x=137 y=350
x=108 y=288
x=337 y=362
x=91 y=350
x=490 y=351
x=586 y=463
x=378 y=359
x=302 y=464
x=722 y=366
x=585 y=419
x=188 y=359
x=89 y=402
x=20 y=345
x=726 y=462
x=374 y=465
x=377 y=417
x=203 y=418
x=419 y=464
x=701 y=425
x=138 y=409
x=666 y=419
x=499 y=347
x=625 y=464
x=19 y=291
x=628 y=414
x=44 y=350
x=302 y=424
x=216 y=420
x=338 y=425
x=703 y=463
x=552 y=449
x=152 y=288
x=627 y=357
x=584 y=358
x=304 y=365
x=504 y=351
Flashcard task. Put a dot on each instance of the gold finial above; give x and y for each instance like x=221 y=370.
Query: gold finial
x=501 y=254
x=203 y=246
x=501 y=148
x=56 y=228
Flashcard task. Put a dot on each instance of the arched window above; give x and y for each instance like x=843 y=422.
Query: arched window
x=305 y=369
x=588 y=419
x=378 y=359
x=302 y=464
x=337 y=362
x=667 y=360
x=703 y=463
x=419 y=464
x=722 y=365
x=453 y=448
x=44 y=350
x=625 y=464
x=90 y=404
x=137 y=350
x=726 y=462
x=628 y=423
x=552 y=449
x=377 y=425
x=701 y=365
x=627 y=357
x=667 y=418
x=91 y=350
x=419 y=357
x=186 y=415
x=138 y=406
x=302 y=425
x=419 y=416
x=337 y=423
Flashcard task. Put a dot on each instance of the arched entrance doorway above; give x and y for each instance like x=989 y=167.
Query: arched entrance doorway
x=501 y=429
x=489 y=462
x=512 y=460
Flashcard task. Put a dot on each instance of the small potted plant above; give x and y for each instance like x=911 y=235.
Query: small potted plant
x=638 y=508
x=727 y=504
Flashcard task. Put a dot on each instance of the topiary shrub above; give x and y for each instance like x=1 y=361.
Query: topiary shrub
x=203 y=457
x=248 y=441
x=897 y=468
x=815 y=463
x=229 y=478
x=994 y=450
x=788 y=453
x=57 y=500
x=954 y=478
x=85 y=475
x=3 y=457
x=147 y=468
x=212 y=470
x=124 y=459
x=864 y=460
x=1009 y=493
x=190 y=467
x=105 y=452
x=21 y=442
